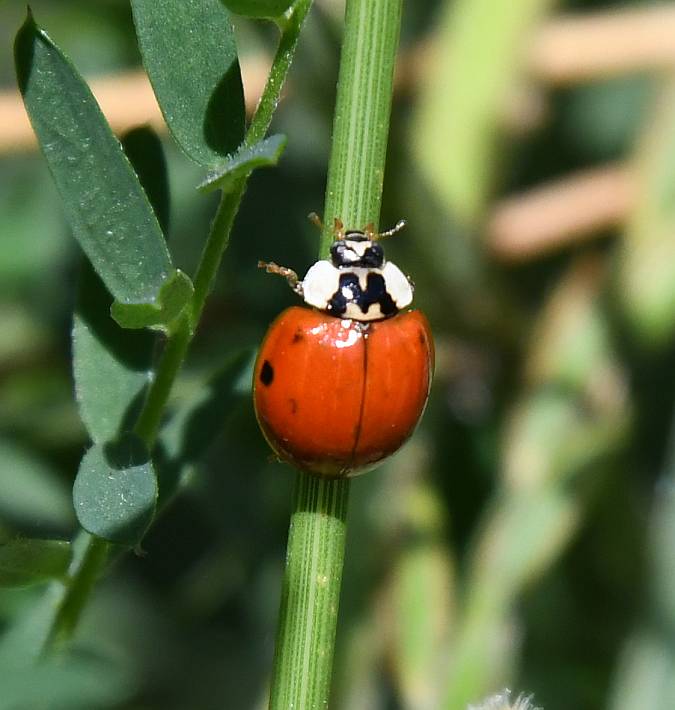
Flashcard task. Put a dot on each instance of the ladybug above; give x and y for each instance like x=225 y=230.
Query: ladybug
x=340 y=386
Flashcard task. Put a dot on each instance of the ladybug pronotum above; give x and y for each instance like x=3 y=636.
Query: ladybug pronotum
x=340 y=386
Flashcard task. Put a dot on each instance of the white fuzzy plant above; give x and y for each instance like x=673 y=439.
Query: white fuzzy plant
x=502 y=701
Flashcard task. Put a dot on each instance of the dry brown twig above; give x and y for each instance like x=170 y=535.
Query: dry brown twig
x=560 y=213
x=571 y=49
x=565 y=50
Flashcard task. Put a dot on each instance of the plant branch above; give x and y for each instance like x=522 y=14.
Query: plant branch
x=150 y=417
x=316 y=542
x=89 y=565
x=283 y=57
x=230 y=201
x=89 y=558
x=361 y=129
x=310 y=595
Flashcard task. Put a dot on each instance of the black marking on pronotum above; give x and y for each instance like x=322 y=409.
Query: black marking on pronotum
x=342 y=255
x=376 y=292
x=266 y=373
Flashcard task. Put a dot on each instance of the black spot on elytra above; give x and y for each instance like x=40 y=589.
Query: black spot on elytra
x=422 y=338
x=266 y=373
x=375 y=292
x=298 y=337
x=294 y=405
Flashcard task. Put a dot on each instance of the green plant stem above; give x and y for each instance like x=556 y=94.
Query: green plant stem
x=361 y=128
x=310 y=595
x=283 y=57
x=89 y=558
x=82 y=579
x=316 y=543
x=150 y=417
x=215 y=246
x=230 y=201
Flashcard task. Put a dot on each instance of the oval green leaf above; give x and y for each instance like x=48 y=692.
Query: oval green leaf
x=190 y=54
x=173 y=297
x=264 y=154
x=104 y=202
x=258 y=8
x=24 y=562
x=32 y=491
x=144 y=149
x=111 y=368
x=115 y=491
x=200 y=420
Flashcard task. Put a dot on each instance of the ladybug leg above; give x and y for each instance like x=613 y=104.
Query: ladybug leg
x=338 y=226
x=370 y=232
x=390 y=232
x=338 y=230
x=290 y=275
x=314 y=218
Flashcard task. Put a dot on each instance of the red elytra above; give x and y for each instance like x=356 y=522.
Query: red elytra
x=335 y=397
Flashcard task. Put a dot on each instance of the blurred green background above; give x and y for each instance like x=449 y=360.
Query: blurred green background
x=525 y=537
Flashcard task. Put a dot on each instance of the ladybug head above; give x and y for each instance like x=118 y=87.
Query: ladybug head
x=357 y=250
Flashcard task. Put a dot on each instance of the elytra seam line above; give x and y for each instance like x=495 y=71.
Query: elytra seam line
x=359 y=425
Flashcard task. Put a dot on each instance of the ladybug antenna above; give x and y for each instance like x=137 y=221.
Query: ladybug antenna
x=390 y=232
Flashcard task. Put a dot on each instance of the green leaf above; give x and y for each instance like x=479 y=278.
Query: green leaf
x=645 y=285
x=264 y=154
x=422 y=592
x=32 y=493
x=481 y=51
x=23 y=639
x=258 y=8
x=173 y=297
x=190 y=55
x=70 y=683
x=115 y=491
x=24 y=562
x=103 y=200
x=144 y=149
x=111 y=367
x=200 y=420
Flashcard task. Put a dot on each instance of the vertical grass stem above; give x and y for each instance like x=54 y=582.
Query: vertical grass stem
x=316 y=542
